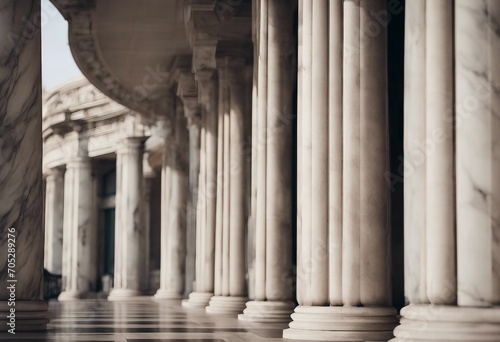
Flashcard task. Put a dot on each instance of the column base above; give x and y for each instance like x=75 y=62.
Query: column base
x=197 y=300
x=29 y=316
x=125 y=295
x=338 y=323
x=69 y=296
x=267 y=311
x=167 y=295
x=226 y=305
x=448 y=323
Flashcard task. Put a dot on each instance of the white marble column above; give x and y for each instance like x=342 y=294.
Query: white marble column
x=54 y=210
x=148 y=181
x=454 y=278
x=231 y=289
x=477 y=73
x=21 y=159
x=192 y=115
x=173 y=234
x=207 y=192
x=414 y=144
x=131 y=238
x=272 y=143
x=440 y=208
x=79 y=233
x=344 y=260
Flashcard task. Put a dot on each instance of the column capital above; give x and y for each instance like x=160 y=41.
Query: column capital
x=233 y=68
x=79 y=143
x=148 y=172
x=53 y=172
x=204 y=56
x=78 y=162
x=192 y=112
x=187 y=90
x=131 y=143
x=206 y=75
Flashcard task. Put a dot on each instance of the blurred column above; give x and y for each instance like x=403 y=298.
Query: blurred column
x=79 y=269
x=54 y=210
x=131 y=238
x=173 y=233
x=207 y=188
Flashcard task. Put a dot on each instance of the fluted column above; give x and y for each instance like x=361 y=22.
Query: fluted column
x=231 y=289
x=452 y=246
x=21 y=160
x=173 y=234
x=79 y=235
x=54 y=209
x=272 y=144
x=192 y=114
x=194 y=170
x=147 y=184
x=131 y=237
x=344 y=262
x=207 y=191
x=415 y=135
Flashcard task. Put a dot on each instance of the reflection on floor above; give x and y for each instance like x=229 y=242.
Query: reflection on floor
x=145 y=320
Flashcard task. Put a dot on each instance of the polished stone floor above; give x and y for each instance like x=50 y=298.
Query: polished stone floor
x=145 y=320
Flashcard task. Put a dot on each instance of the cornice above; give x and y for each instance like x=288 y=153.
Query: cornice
x=85 y=49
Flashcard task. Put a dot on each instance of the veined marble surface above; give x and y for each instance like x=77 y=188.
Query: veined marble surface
x=414 y=170
x=21 y=199
x=478 y=152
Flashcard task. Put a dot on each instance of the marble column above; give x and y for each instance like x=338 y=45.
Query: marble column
x=173 y=233
x=272 y=143
x=415 y=134
x=344 y=253
x=79 y=233
x=192 y=113
x=194 y=170
x=54 y=210
x=230 y=245
x=454 y=278
x=148 y=181
x=21 y=159
x=131 y=238
x=207 y=188
x=477 y=50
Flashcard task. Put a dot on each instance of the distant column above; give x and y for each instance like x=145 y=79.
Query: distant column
x=207 y=187
x=173 y=233
x=230 y=277
x=79 y=236
x=54 y=210
x=131 y=238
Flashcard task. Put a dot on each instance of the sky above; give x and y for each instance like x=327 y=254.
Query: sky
x=58 y=65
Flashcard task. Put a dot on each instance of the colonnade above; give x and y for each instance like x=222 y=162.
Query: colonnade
x=231 y=152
